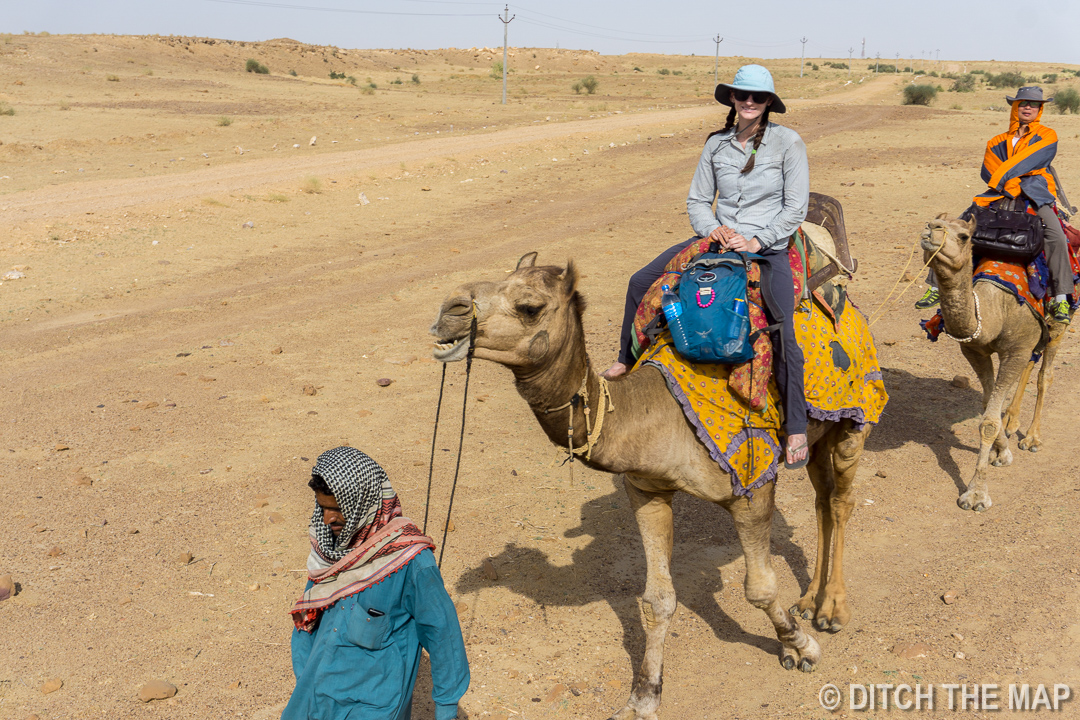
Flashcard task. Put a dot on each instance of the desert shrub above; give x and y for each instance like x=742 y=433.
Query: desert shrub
x=337 y=75
x=964 y=83
x=293 y=73
x=311 y=185
x=637 y=69
x=919 y=94
x=497 y=70
x=372 y=85
x=664 y=71
x=1067 y=99
x=351 y=80
x=6 y=109
x=367 y=89
x=882 y=67
x=978 y=72
x=1049 y=78
x=1032 y=79
x=415 y=79
x=254 y=66
x=934 y=73
x=112 y=78
x=1005 y=80
x=396 y=81
x=813 y=66
x=577 y=87
x=224 y=121
x=590 y=84
x=837 y=65
x=676 y=72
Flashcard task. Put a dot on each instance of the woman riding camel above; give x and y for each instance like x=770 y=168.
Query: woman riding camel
x=758 y=175
x=1017 y=165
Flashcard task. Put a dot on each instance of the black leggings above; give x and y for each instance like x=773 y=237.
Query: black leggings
x=779 y=295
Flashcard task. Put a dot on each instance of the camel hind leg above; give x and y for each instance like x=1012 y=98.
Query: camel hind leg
x=654 y=518
x=1011 y=420
x=1032 y=439
x=832 y=473
x=753 y=522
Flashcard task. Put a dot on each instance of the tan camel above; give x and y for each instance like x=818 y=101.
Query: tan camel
x=531 y=323
x=986 y=320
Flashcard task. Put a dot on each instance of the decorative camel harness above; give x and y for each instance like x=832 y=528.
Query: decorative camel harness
x=581 y=397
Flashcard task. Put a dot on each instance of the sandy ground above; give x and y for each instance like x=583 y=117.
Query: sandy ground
x=208 y=300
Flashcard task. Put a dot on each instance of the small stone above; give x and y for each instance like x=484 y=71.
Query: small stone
x=32 y=717
x=959 y=656
x=56 y=551
x=148 y=406
x=461 y=607
x=450 y=526
x=204 y=378
x=277 y=566
x=555 y=693
x=961 y=381
x=249 y=224
x=614 y=684
x=383 y=382
x=254 y=587
x=578 y=688
x=7 y=587
x=61 y=447
x=365 y=413
x=868 y=184
x=847 y=184
x=83 y=481
x=426 y=189
x=134 y=428
x=51 y=686
x=907 y=277
x=309 y=390
x=261 y=504
x=881 y=474
x=156 y=690
x=958 y=636
x=950 y=597
x=234 y=685
x=185 y=558
x=275 y=518
x=133 y=531
x=276 y=351
x=312 y=140
x=910 y=651
x=489 y=570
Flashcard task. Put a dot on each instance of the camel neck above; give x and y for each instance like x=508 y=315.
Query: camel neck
x=957 y=298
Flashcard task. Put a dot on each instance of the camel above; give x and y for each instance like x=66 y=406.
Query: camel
x=531 y=322
x=986 y=320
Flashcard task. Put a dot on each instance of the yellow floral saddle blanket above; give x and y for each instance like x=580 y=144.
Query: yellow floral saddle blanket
x=842 y=377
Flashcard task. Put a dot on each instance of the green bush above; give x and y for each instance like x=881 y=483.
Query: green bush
x=497 y=69
x=293 y=73
x=882 y=67
x=367 y=89
x=978 y=72
x=415 y=79
x=1005 y=80
x=337 y=75
x=6 y=109
x=837 y=65
x=664 y=71
x=351 y=80
x=396 y=81
x=253 y=65
x=1067 y=99
x=1049 y=78
x=813 y=66
x=964 y=83
x=919 y=94
x=224 y=121
x=590 y=84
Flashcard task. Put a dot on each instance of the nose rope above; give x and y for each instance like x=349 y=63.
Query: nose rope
x=888 y=296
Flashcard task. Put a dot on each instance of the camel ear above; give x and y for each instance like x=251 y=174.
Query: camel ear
x=942 y=216
x=570 y=278
x=527 y=260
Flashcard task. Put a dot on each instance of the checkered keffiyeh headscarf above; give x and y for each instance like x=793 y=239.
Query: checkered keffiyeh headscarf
x=363 y=492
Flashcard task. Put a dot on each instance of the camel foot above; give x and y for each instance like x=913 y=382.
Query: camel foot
x=830 y=617
x=977 y=500
x=629 y=713
x=1011 y=425
x=1004 y=458
x=806 y=660
x=1030 y=443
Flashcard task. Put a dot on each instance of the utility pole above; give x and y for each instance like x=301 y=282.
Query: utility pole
x=877 y=62
x=803 y=61
x=862 y=55
x=849 y=52
x=938 y=51
x=506 y=24
x=716 y=65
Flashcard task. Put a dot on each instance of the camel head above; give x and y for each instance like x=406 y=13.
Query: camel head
x=950 y=239
x=521 y=322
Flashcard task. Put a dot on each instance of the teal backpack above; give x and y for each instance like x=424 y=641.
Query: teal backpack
x=715 y=321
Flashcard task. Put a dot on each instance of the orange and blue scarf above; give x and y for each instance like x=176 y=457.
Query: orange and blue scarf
x=1009 y=171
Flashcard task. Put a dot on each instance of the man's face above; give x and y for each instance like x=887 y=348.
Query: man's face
x=331 y=512
x=1028 y=111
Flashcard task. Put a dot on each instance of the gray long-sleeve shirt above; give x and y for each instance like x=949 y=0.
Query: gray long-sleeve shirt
x=768 y=203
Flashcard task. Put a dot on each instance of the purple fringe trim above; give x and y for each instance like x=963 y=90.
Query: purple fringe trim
x=872 y=376
x=855 y=414
x=720 y=458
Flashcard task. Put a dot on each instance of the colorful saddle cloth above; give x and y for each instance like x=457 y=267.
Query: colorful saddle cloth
x=842 y=378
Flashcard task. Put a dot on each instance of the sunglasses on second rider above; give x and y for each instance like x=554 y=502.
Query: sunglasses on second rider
x=759 y=97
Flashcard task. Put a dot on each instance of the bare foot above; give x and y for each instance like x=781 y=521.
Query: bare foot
x=616 y=370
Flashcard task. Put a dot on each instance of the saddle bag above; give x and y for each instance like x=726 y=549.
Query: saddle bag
x=1005 y=233
x=715 y=322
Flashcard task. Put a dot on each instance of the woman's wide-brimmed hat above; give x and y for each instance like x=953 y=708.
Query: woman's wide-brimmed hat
x=755 y=78
x=1031 y=94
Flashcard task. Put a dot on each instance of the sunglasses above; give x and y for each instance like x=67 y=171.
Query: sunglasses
x=1030 y=103
x=759 y=97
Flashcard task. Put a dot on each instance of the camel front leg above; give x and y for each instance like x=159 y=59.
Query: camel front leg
x=977 y=495
x=1032 y=439
x=753 y=522
x=1012 y=415
x=999 y=453
x=654 y=518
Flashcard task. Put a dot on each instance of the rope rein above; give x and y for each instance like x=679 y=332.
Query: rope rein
x=888 y=296
x=435 y=434
x=604 y=406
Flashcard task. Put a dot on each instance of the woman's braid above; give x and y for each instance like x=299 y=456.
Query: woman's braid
x=763 y=123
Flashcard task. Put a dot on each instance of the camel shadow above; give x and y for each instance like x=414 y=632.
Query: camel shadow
x=611 y=567
x=922 y=410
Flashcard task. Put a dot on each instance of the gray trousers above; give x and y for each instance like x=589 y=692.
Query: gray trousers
x=1056 y=246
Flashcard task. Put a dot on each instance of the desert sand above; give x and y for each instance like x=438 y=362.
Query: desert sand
x=214 y=267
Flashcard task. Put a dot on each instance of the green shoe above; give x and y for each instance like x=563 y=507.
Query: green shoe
x=1059 y=311
x=929 y=299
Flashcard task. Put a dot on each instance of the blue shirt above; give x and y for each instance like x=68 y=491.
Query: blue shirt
x=768 y=203
x=360 y=662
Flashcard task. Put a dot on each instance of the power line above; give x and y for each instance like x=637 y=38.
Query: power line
x=286 y=6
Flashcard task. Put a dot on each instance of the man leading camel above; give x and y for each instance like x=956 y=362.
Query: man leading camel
x=1017 y=164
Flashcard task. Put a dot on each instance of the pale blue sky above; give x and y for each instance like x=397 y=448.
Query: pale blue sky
x=960 y=29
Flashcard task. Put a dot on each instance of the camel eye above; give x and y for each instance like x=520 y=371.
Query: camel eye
x=530 y=311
